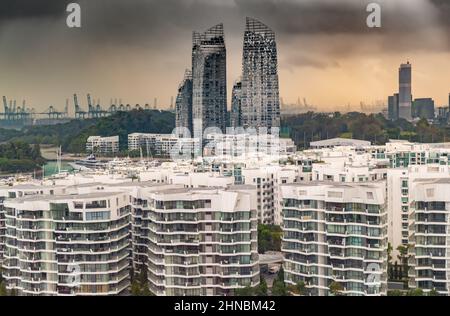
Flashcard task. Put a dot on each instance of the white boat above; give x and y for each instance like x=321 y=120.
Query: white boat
x=90 y=162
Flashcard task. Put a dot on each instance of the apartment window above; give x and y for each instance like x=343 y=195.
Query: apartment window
x=96 y=204
x=97 y=216
x=78 y=205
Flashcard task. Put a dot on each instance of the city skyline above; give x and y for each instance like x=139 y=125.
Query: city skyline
x=138 y=53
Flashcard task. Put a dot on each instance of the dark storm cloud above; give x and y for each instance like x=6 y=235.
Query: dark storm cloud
x=163 y=21
x=23 y=9
x=155 y=37
x=300 y=17
x=443 y=6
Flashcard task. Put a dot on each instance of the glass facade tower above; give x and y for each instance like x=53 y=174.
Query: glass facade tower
x=260 y=95
x=209 y=80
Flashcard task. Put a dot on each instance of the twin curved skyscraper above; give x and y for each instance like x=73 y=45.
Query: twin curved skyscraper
x=202 y=96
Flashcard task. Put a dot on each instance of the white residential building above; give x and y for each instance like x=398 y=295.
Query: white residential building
x=400 y=196
x=268 y=181
x=67 y=244
x=82 y=238
x=200 y=241
x=335 y=232
x=244 y=144
x=102 y=145
x=160 y=144
x=429 y=235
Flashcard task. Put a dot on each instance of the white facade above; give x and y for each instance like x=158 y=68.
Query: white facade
x=268 y=181
x=338 y=208
x=102 y=145
x=400 y=196
x=67 y=245
x=336 y=142
x=83 y=238
x=159 y=144
x=198 y=241
x=335 y=232
x=429 y=235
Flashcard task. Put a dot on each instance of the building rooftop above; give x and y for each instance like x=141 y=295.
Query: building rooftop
x=84 y=196
x=333 y=142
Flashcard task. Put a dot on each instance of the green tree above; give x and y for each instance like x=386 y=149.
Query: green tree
x=143 y=280
x=433 y=292
x=245 y=291
x=395 y=293
x=135 y=288
x=261 y=290
x=279 y=287
x=403 y=257
x=415 y=292
x=3 y=290
x=301 y=288
x=269 y=238
x=146 y=291
x=389 y=253
x=336 y=288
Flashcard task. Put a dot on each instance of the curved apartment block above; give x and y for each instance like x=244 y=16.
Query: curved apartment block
x=335 y=232
x=199 y=241
x=429 y=262
x=67 y=244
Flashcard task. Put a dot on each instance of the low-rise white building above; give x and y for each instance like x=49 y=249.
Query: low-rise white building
x=163 y=145
x=102 y=145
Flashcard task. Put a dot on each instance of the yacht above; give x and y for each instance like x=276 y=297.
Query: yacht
x=90 y=162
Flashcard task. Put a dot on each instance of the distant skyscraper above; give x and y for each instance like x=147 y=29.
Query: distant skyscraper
x=209 y=80
x=183 y=104
x=393 y=107
x=236 y=102
x=449 y=102
x=423 y=108
x=405 y=95
x=260 y=95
